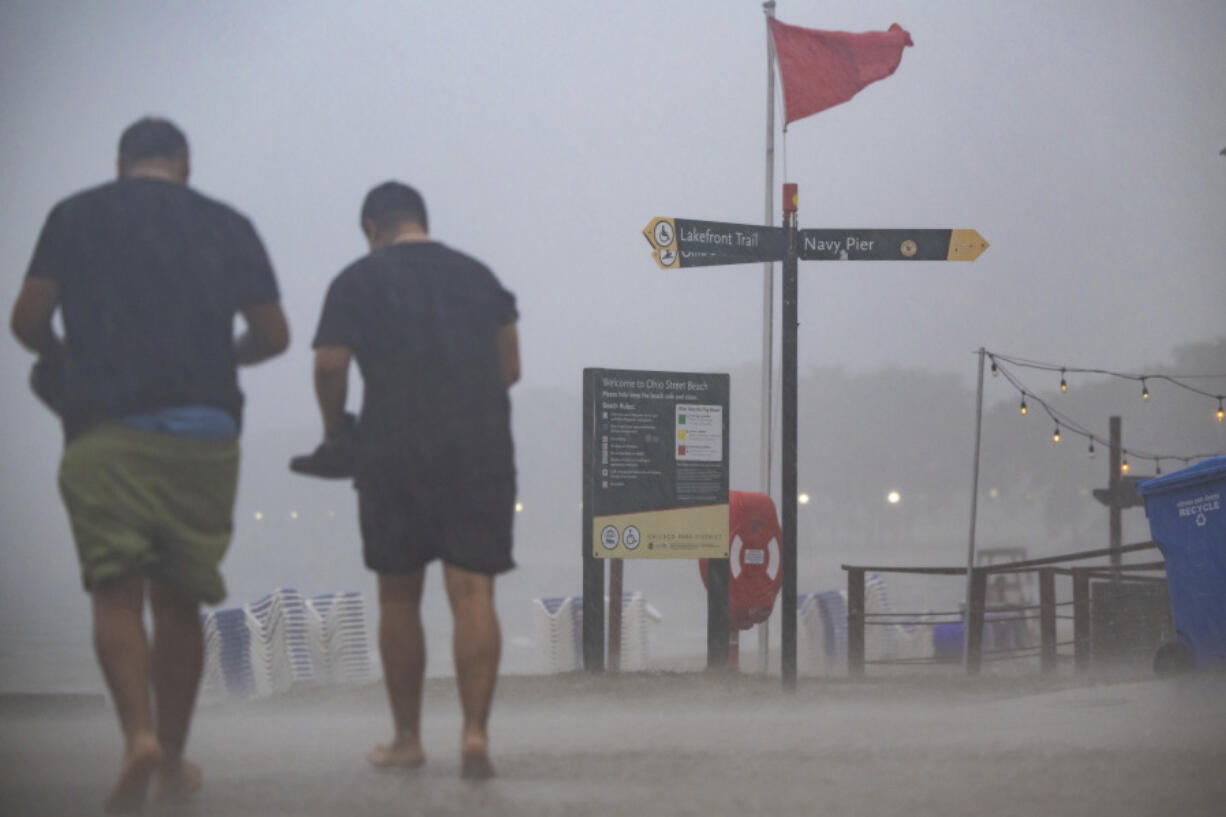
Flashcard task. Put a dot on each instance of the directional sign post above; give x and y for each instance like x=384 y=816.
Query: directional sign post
x=679 y=243
x=891 y=245
x=683 y=242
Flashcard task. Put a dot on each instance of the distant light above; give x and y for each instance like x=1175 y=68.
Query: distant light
x=293 y=514
x=331 y=514
x=258 y=516
x=993 y=493
x=893 y=497
x=803 y=499
x=519 y=507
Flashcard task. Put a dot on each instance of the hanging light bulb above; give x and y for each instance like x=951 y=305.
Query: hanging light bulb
x=1124 y=465
x=1055 y=436
x=1158 y=468
x=995 y=372
x=1063 y=382
x=1220 y=412
x=1091 y=448
x=1144 y=390
x=1023 y=408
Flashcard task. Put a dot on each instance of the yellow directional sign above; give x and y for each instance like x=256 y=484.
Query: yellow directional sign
x=966 y=245
x=661 y=234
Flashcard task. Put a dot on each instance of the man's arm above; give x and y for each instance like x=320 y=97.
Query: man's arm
x=332 y=386
x=267 y=333
x=508 y=353
x=31 y=320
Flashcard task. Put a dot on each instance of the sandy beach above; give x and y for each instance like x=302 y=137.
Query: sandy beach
x=674 y=744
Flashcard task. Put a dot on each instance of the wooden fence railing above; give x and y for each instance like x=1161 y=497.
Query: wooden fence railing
x=1047 y=569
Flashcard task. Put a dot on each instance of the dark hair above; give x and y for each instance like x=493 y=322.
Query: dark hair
x=150 y=138
x=393 y=203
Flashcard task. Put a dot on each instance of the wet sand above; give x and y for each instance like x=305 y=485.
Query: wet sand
x=674 y=744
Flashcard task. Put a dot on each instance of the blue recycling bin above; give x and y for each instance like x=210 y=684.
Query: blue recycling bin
x=1187 y=521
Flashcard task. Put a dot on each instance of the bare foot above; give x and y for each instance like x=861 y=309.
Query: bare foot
x=475 y=760
x=139 y=763
x=178 y=783
x=403 y=753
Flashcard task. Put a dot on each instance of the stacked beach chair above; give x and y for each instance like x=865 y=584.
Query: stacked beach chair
x=636 y=614
x=280 y=649
x=557 y=628
x=823 y=625
x=822 y=646
x=227 y=656
x=340 y=649
x=283 y=640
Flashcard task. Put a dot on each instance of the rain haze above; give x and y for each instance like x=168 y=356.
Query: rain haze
x=1081 y=139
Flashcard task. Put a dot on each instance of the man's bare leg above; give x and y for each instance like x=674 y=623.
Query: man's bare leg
x=477 y=644
x=178 y=661
x=123 y=653
x=402 y=645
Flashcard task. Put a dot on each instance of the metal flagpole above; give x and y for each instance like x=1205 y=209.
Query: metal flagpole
x=970 y=548
x=768 y=307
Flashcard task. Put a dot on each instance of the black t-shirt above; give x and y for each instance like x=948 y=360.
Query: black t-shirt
x=151 y=274
x=422 y=321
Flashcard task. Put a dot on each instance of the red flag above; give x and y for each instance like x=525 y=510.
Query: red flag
x=821 y=69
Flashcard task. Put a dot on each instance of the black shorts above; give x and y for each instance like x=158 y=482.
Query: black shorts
x=408 y=523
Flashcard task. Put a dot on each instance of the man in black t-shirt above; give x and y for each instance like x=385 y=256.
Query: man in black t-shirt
x=434 y=336
x=148 y=275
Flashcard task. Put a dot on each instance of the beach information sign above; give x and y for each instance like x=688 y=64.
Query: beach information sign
x=656 y=464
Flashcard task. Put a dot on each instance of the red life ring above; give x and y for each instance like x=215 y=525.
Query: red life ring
x=754 y=558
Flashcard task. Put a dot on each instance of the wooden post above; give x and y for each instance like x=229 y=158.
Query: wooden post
x=616 y=568
x=1081 y=619
x=855 y=622
x=974 y=620
x=1047 y=620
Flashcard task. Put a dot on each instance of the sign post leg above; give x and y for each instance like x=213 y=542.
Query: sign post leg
x=717 y=614
x=788 y=439
x=616 y=583
x=593 y=568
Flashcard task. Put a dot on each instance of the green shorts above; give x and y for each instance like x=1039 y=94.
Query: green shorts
x=161 y=504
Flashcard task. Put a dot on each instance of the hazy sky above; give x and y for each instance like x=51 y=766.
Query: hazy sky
x=1080 y=137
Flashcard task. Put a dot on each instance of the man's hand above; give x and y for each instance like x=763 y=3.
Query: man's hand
x=267 y=333
x=508 y=354
x=332 y=387
x=31 y=320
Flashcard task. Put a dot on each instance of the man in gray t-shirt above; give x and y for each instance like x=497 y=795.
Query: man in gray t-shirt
x=148 y=275
x=434 y=334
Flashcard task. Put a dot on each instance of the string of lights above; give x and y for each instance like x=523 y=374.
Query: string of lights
x=1143 y=379
x=1003 y=365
